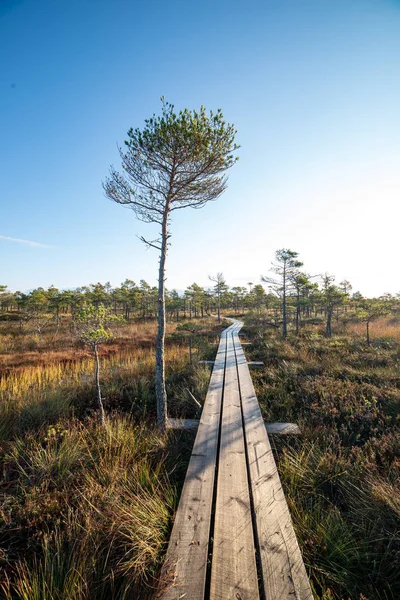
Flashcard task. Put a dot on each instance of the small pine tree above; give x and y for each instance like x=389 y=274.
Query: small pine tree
x=90 y=326
x=192 y=329
x=368 y=311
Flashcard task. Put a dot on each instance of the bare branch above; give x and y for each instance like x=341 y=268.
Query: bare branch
x=152 y=243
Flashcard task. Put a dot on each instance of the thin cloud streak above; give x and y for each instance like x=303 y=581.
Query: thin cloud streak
x=26 y=242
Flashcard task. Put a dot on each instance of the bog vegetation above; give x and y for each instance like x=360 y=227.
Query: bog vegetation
x=86 y=508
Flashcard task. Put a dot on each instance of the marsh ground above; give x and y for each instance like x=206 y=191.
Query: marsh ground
x=86 y=511
x=341 y=477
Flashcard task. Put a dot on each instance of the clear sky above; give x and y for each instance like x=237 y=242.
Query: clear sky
x=313 y=88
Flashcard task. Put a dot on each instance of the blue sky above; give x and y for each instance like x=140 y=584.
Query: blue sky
x=313 y=88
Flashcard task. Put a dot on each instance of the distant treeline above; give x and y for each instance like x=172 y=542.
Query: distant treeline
x=292 y=297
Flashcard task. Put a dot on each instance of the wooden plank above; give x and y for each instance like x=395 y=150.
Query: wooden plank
x=182 y=423
x=283 y=572
x=253 y=364
x=233 y=571
x=282 y=429
x=184 y=571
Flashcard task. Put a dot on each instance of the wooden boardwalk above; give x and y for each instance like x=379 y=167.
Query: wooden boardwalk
x=233 y=537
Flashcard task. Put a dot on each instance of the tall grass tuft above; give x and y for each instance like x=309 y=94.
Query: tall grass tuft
x=98 y=514
x=57 y=572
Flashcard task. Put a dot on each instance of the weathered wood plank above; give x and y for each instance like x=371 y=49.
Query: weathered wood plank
x=184 y=571
x=283 y=572
x=182 y=423
x=283 y=428
x=255 y=364
x=233 y=570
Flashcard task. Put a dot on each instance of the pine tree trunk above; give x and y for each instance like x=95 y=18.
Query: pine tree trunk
x=368 y=338
x=298 y=316
x=98 y=390
x=161 y=394
x=329 y=323
x=284 y=316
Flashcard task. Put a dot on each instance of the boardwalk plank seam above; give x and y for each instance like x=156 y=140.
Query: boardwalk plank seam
x=255 y=553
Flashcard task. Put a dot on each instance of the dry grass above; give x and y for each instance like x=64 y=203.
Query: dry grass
x=60 y=382
x=383 y=329
x=85 y=511
x=20 y=349
x=94 y=504
x=47 y=393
